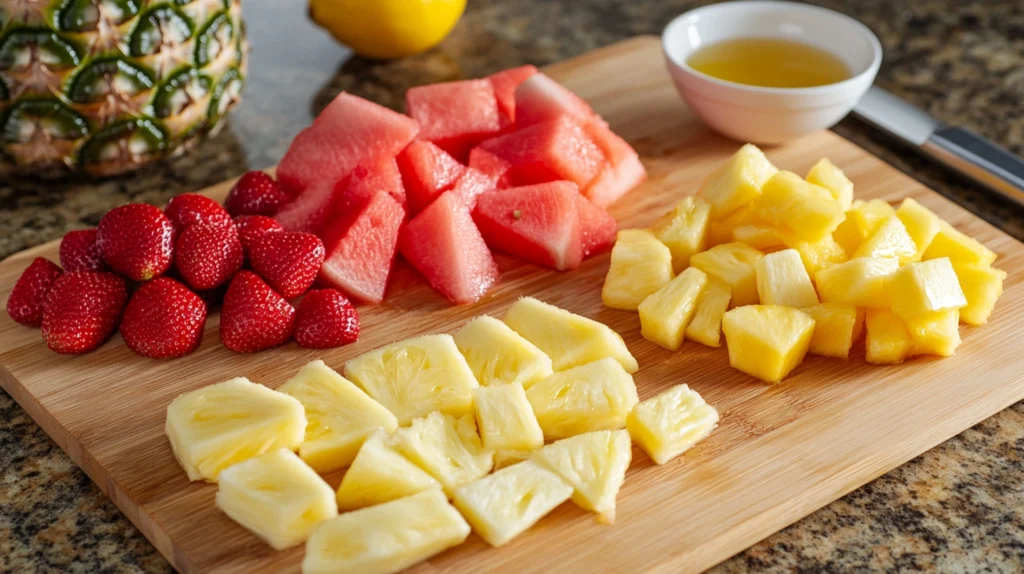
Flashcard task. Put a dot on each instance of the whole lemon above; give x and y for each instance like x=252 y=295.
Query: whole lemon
x=386 y=29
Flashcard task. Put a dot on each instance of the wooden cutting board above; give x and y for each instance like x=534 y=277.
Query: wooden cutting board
x=780 y=452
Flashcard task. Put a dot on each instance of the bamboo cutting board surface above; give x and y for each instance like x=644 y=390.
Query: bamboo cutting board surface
x=779 y=453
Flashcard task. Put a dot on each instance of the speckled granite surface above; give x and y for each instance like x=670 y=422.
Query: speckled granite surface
x=957 y=508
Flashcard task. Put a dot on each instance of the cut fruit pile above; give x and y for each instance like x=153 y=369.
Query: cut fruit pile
x=423 y=421
x=784 y=266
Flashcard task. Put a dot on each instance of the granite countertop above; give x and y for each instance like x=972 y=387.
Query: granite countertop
x=956 y=508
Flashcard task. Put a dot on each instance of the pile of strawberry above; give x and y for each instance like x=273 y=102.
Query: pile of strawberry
x=154 y=275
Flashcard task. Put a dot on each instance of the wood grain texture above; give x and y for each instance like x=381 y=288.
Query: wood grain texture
x=779 y=453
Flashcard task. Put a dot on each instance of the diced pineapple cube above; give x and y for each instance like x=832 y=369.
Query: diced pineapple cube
x=798 y=208
x=665 y=314
x=767 y=341
x=594 y=464
x=760 y=236
x=738 y=181
x=935 y=333
x=826 y=174
x=732 y=264
x=505 y=419
x=570 y=340
x=219 y=425
x=380 y=474
x=447 y=448
x=386 y=538
x=860 y=282
x=982 y=286
x=890 y=240
x=684 y=230
x=861 y=222
x=836 y=327
x=706 y=325
x=722 y=230
x=925 y=287
x=818 y=255
x=339 y=416
x=888 y=341
x=669 y=424
x=950 y=242
x=415 y=377
x=921 y=223
x=782 y=279
x=498 y=355
x=595 y=396
x=276 y=496
x=503 y=458
x=640 y=265
x=507 y=503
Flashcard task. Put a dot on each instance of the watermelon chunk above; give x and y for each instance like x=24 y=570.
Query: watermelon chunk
x=493 y=166
x=444 y=245
x=623 y=171
x=310 y=210
x=505 y=84
x=597 y=227
x=549 y=151
x=455 y=115
x=427 y=171
x=540 y=99
x=538 y=223
x=472 y=183
x=368 y=179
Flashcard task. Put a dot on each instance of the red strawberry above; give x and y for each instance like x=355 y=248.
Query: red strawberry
x=254 y=316
x=80 y=252
x=163 y=319
x=136 y=240
x=326 y=319
x=25 y=305
x=82 y=311
x=255 y=193
x=208 y=254
x=288 y=261
x=251 y=227
x=188 y=208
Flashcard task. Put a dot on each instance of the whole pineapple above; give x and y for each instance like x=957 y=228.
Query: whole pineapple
x=105 y=86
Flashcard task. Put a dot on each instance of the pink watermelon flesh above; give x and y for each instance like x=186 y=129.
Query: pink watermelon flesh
x=361 y=248
x=309 y=211
x=471 y=185
x=455 y=115
x=537 y=223
x=444 y=245
x=428 y=171
x=493 y=166
x=505 y=84
x=623 y=171
x=549 y=151
x=597 y=227
x=365 y=182
x=540 y=99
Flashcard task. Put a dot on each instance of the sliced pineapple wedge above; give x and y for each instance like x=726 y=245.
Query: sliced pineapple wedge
x=826 y=174
x=782 y=279
x=888 y=342
x=861 y=222
x=890 y=240
x=734 y=265
x=684 y=230
x=640 y=265
x=737 y=181
x=818 y=255
x=506 y=420
x=666 y=313
x=921 y=223
x=860 y=282
x=767 y=341
x=936 y=333
x=498 y=355
x=447 y=448
x=925 y=287
x=595 y=396
x=669 y=424
x=380 y=474
x=797 y=208
x=706 y=325
x=982 y=286
x=594 y=464
x=836 y=327
x=959 y=248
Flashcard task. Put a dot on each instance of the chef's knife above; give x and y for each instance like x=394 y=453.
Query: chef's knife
x=958 y=148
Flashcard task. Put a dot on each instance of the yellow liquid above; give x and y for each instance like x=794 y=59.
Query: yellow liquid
x=770 y=63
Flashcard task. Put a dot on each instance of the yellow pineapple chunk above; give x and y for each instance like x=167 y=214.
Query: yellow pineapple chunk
x=818 y=255
x=507 y=503
x=669 y=424
x=925 y=287
x=738 y=181
x=570 y=340
x=276 y=496
x=982 y=286
x=782 y=279
x=498 y=355
x=684 y=230
x=219 y=425
x=950 y=242
x=826 y=174
x=723 y=230
x=767 y=341
x=860 y=282
x=594 y=464
x=798 y=208
x=890 y=240
x=921 y=223
x=595 y=396
x=339 y=416
x=861 y=222
x=665 y=314
x=503 y=458
x=386 y=538
x=760 y=236
x=447 y=448
x=734 y=265
x=415 y=377
x=506 y=420
x=640 y=265
x=706 y=325
x=888 y=341
x=935 y=333
x=380 y=474
x=836 y=327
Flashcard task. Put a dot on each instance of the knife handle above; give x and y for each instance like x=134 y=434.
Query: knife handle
x=979 y=159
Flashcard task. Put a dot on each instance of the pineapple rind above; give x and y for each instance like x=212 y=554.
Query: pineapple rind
x=447 y=448
x=594 y=464
x=640 y=265
x=505 y=419
x=925 y=287
x=734 y=265
x=860 y=282
x=835 y=329
x=782 y=279
x=669 y=424
x=888 y=342
x=665 y=314
x=921 y=223
x=982 y=286
x=498 y=355
x=826 y=174
x=798 y=208
x=890 y=240
x=706 y=325
x=684 y=230
x=738 y=181
x=380 y=474
x=958 y=247
x=767 y=341
x=595 y=396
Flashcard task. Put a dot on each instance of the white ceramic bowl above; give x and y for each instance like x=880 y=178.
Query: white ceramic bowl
x=770 y=115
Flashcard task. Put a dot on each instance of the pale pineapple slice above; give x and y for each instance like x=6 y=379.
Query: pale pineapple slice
x=861 y=222
x=836 y=327
x=706 y=325
x=921 y=223
x=594 y=464
x=684 y=230
x=219 y=425
x=506 y=420
x=734 y=265
x=982 y=286
x=669 y=424
x=818 y=255
x=595 y=396
x=760 y=236
x=503 y=458
x=936 y=333
x=737 y=182
x=507 y=503
x=415 y=377
x=386 y=538
x=925 y=287
x=888 y=341
x=447 y=448
x=826 y=174
x=570 y=340
x=950 y=242
x=890 y=240
x=860 y=282
x=767 y=341
x=640 y=265
x=723 y=230
x=339 y=416
x=276 y=496
x=797 y=208
x=782 y=279
x=665 y=314
x=498 y=355
x=380 y=474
